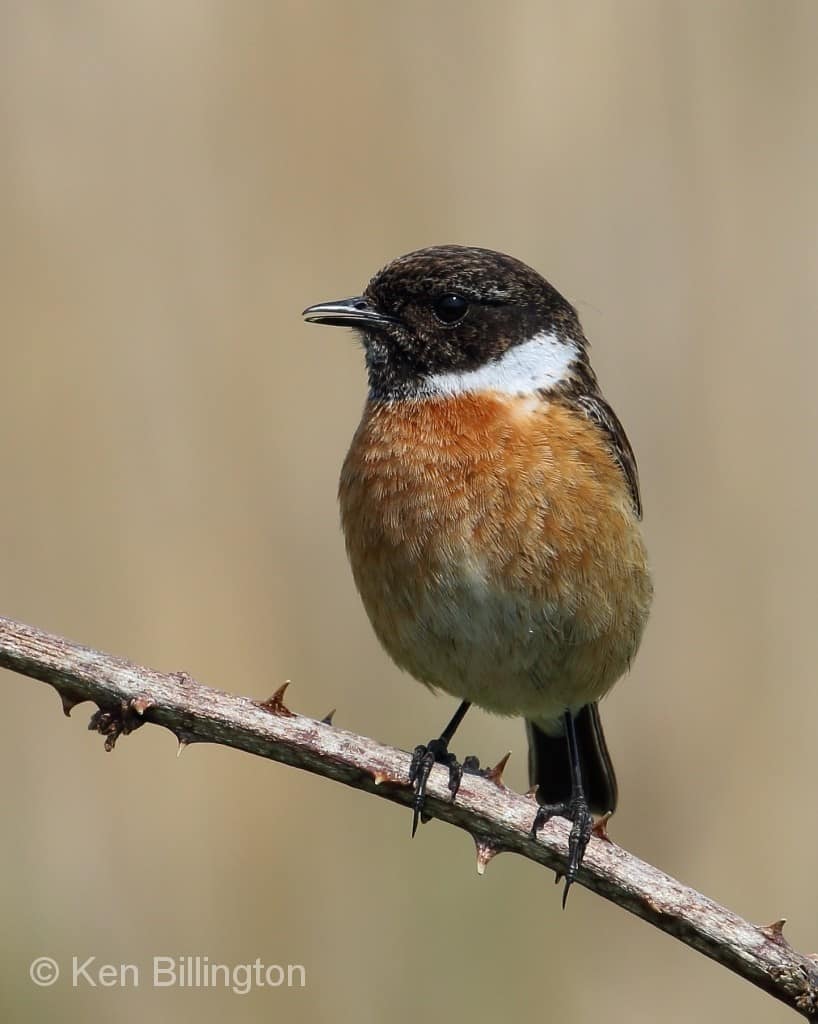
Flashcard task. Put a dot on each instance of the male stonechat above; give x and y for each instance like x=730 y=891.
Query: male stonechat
x=491 y=509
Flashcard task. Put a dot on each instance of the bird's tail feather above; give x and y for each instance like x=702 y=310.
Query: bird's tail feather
x=549 y=768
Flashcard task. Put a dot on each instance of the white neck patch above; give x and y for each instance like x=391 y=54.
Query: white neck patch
x=538 y=363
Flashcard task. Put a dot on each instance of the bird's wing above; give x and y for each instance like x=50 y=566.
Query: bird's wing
x=597 y=409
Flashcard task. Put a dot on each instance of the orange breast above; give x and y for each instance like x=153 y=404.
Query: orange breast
x=495 y=528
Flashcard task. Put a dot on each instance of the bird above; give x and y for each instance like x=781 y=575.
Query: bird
x=491 y=510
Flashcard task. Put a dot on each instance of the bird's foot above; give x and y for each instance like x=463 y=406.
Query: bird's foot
x=576 y=811
x=424 y=758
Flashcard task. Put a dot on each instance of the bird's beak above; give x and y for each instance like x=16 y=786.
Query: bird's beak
x=355 y=312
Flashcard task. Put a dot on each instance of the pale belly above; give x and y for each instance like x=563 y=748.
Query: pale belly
x=496 y=573
x=501 y=650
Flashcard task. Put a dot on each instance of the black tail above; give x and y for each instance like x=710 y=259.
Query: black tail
x=550 y=770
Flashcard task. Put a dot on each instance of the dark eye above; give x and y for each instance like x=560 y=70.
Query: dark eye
x=450 y=308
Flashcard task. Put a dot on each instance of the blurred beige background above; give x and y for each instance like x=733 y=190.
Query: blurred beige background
x=178 y=180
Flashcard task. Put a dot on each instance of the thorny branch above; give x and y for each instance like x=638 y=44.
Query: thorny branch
x=498 y=819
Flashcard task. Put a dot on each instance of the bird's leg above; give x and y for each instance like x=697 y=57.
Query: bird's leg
x=575 y=810
x=427 y=755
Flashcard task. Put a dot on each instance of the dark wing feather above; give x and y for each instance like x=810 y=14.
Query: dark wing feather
x=597 y=409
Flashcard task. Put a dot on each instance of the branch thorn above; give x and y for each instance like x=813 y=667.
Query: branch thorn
x=141 y=704
x=184 y=739
x=69 y=702
x=486 y=852
x=495 y=774
x=600 y=828
x=275 y=704
x=774 y=931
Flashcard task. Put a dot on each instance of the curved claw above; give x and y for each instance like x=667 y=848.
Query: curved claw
x=582 y=824
x=576 y=811
x=424 y=758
